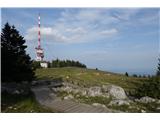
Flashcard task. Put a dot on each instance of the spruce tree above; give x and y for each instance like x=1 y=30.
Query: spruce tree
x=16 y=64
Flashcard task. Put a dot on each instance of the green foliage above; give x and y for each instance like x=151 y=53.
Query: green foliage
x=134 y=75
x=126 y=74
x=16 y=64
x=36 y=64
x=149 y=88
x=49 y=64
x=66 y=63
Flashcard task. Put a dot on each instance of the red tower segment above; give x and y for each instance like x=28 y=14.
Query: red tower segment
x=39 y=50
x=39 y=32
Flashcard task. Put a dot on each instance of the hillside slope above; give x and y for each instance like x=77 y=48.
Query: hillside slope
x=88 y=77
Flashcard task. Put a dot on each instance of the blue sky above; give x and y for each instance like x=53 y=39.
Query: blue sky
x=112 y=39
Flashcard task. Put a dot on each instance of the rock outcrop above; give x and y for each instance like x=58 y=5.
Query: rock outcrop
x=145 y=99
x=119 y=102
x=68 y=97
x=99 y=105
x=94 y=91
x=115 y=92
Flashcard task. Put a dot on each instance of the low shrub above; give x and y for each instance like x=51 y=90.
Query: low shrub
x=149 y=88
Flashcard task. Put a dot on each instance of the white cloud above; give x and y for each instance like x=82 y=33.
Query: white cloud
x=85 y=25
x=109 y=32
x=47 y=33
x=78 y=30
x=68 y=35
x=76 y=27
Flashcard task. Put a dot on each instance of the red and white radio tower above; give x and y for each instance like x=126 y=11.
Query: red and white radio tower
x=39 y=50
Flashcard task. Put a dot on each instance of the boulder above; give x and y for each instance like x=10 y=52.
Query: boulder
x=67 y=89
x=83 y=92
x=143 y=111
x=94 y=91
x=158 y=101
x=119 y=102
x=115 y=92
x=99 y=105
x=75 y=91
x=158 y=108
x=68 y=97
x=106 y=95
x=145 y=99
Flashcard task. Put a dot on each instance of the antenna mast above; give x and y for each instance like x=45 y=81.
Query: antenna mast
x=39 y=31
x=39 y=50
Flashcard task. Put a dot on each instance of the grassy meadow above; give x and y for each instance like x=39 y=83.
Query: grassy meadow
x=89 y=77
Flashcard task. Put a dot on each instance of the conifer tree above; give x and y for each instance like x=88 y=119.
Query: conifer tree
x=16 y=64
x=126 y=74
x=158 y=68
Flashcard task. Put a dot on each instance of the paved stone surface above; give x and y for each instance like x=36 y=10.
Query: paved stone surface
x=44 y=97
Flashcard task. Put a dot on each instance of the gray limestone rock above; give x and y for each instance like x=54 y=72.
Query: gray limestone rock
x=99 y=105
x=119 y=102
x=115 y=92
x=145 y=99
x=94 y=91
x=68 y=97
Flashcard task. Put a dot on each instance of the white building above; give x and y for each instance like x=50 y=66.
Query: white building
x=44 y=64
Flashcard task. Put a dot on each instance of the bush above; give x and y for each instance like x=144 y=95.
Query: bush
x=149 y=88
